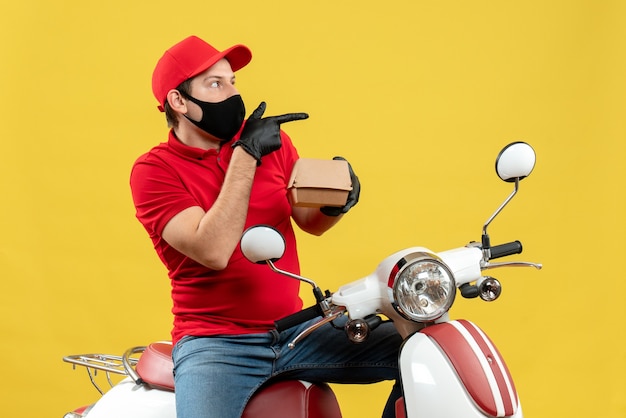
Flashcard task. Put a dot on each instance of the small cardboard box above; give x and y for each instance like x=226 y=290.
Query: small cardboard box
x=316 y=183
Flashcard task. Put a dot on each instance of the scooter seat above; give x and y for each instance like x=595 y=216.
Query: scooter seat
x=155 y=366
x=286 y=398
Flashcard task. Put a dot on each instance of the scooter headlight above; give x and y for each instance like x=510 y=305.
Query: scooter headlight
x=422 y=287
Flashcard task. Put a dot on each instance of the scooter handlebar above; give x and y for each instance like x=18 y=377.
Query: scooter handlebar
x=298 y=318
x=503 y=250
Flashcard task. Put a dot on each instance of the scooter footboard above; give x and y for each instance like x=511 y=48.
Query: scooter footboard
x=453 y=369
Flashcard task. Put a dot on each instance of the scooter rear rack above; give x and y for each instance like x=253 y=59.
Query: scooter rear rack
x=108 y=363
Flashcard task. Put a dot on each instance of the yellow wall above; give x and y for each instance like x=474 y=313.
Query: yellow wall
x=418 y=95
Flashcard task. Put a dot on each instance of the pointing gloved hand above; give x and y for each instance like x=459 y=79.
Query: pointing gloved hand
x=262 y=136
x=353 y=196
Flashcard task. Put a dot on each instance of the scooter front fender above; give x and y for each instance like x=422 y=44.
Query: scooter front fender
x=129 y=400
x=452 y=369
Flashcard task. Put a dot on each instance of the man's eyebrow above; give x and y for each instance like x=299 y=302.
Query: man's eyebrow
x=219 y=77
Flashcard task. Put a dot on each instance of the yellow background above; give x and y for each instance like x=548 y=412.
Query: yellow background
x=418 y=95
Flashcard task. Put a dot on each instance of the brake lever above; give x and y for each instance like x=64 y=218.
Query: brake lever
x=329 y=318
x=488 y=265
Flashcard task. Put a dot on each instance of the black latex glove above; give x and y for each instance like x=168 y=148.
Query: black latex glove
x=353 y=196
x=262 y=136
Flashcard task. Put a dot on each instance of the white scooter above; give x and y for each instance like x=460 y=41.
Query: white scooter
x=448 y=368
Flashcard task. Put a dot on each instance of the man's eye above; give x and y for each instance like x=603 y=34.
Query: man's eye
x=215 y=84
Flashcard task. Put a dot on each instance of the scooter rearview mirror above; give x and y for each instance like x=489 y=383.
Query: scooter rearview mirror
x=515 y=161
x=262 y=243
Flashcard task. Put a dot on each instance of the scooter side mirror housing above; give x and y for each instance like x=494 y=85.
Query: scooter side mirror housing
x=262 y=243
x=515 y=161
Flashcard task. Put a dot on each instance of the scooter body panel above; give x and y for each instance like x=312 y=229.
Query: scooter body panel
x=449 y=371
x=129 y=400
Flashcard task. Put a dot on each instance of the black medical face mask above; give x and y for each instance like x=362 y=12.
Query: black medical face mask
x=223 y=119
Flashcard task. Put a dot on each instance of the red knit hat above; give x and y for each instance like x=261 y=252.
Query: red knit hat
x=189 y=58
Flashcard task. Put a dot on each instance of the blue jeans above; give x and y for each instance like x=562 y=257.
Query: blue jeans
x=216 y=376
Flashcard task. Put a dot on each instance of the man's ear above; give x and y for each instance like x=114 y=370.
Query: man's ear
x=176 y=101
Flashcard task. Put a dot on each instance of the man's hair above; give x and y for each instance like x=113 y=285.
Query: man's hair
x=170 y=115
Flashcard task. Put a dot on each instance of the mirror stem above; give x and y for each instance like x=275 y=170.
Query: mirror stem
x=508 y=199
x=319 y=296
x=486 y=242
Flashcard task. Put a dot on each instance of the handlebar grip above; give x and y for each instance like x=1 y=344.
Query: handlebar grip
x=503 y=250
x=298 y=318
